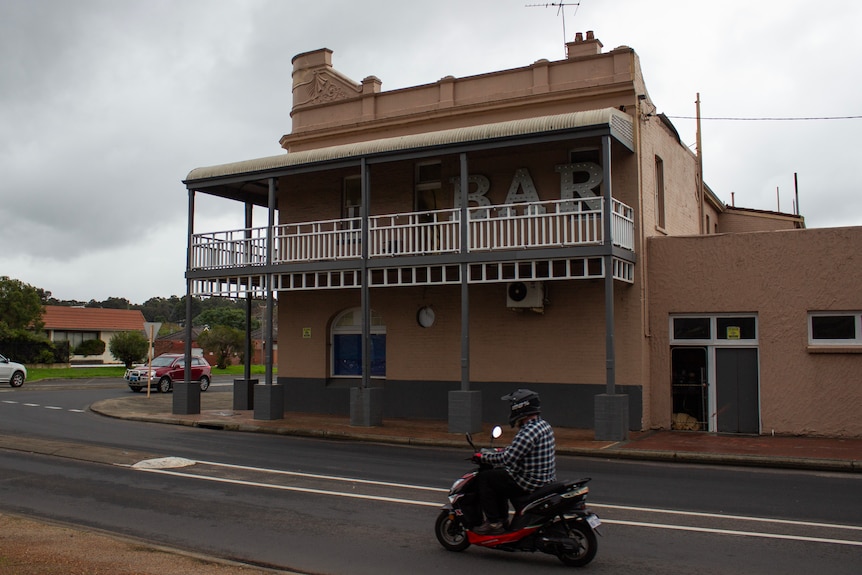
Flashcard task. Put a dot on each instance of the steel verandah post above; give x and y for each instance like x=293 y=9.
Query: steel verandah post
x=249 y=208
x=607 y=216
x=610 y=409
x=268 y=332
x=366 y=402
x=464 y=405
x=269 y=402
x=365 y=295
x=187 y=349
x=186 y=399
x=465 y=291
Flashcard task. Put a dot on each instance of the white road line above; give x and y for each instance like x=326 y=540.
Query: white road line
x=31 y=404
x=327 y=477
x=732 y=532
x=52 y=407
x=439 y=504
x=9 y=401
x=290 y=488
x=730 y=517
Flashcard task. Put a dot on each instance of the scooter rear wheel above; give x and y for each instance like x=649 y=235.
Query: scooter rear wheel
x=450 y=532
x=584 y=538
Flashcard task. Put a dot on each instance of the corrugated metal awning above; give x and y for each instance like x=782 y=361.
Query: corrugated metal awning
x=609 y=120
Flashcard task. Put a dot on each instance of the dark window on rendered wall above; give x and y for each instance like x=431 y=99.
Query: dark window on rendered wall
x=833 y=327
x=659 y=193
x=691 y=328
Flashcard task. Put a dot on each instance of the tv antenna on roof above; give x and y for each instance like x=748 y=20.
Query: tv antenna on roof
x=560 y=12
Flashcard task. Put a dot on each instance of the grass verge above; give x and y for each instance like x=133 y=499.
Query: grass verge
x=38 y=373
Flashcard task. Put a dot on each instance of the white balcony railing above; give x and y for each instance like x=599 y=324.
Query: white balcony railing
x=623 y=226
x=233 y=248
x=559 y=223
x=318 y=241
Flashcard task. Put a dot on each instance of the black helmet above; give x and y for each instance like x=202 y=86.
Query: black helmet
x=523 y=402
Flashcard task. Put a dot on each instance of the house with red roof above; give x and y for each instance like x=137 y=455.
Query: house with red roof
x=78 y=324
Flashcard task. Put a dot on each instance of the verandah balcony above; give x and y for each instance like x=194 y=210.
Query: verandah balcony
x=558 y=223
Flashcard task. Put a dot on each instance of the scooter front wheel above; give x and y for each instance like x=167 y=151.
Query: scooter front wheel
x=450 y=532
x=584 y=544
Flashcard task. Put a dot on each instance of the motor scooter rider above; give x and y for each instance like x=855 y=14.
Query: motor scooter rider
x=526 y=464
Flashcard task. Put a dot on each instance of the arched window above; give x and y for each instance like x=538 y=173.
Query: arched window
x=347 y=344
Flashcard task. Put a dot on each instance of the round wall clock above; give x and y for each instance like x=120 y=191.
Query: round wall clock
x=425 y=316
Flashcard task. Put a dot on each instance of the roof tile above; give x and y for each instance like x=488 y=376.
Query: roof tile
x=93 y=319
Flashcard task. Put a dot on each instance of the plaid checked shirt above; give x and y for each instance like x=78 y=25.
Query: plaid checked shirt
x=531 y=457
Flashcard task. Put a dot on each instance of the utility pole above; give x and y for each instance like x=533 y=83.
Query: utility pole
x=699 y=167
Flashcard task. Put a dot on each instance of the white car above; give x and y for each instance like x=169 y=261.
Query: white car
x=14 y=373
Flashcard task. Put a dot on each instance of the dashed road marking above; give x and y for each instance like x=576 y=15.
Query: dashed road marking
x=51 y=407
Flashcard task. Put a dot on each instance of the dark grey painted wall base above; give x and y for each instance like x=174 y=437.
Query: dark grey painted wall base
x=563 y=405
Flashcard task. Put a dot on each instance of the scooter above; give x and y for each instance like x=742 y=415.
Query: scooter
x=553 y=519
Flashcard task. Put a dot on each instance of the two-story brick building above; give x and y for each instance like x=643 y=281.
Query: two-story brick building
x=399 y=298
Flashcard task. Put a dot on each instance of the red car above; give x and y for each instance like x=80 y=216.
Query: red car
x=166 y=369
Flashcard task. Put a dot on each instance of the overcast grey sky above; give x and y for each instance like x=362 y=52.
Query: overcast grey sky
x=106 y=105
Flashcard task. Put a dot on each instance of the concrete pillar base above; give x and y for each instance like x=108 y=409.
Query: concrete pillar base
x=465 y=411
x=612 y=417
x=187 y=398
x=243 y=394
x=366 y=406
x=269 y=401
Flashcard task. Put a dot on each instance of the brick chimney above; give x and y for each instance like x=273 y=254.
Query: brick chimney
x=583 y=47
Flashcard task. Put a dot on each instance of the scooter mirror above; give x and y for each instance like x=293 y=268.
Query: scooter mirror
x=496 y=432
x=470 y=441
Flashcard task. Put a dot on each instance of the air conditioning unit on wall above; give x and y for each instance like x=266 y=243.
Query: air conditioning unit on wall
x=525 y=295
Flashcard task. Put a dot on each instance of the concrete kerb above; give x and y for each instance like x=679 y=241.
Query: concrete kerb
x=104 y=408
x=729 y=459
x=614 y=451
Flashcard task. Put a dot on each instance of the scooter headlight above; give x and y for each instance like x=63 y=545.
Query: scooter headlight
x=457 y=485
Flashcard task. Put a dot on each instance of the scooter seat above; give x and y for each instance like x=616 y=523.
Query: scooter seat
x=521 y=502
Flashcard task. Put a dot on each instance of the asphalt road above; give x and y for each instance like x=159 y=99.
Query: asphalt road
x=343 y=507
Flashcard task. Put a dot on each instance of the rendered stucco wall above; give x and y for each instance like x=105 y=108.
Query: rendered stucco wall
x=563 y=346
x=329 y=108
x=781 y=276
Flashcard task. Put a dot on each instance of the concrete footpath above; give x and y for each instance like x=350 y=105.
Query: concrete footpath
x=825 y=454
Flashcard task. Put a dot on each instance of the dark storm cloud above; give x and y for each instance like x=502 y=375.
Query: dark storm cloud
x=105 y=106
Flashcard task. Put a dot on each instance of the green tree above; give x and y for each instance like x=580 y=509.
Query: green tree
x=161 y=309
x=223 y=341
x=91 y=347
x=227 y=316
x=178 y=314
x=20 y=305
x=63 y=302
x=111 y=303
x=129 y=347
x=27 y=347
